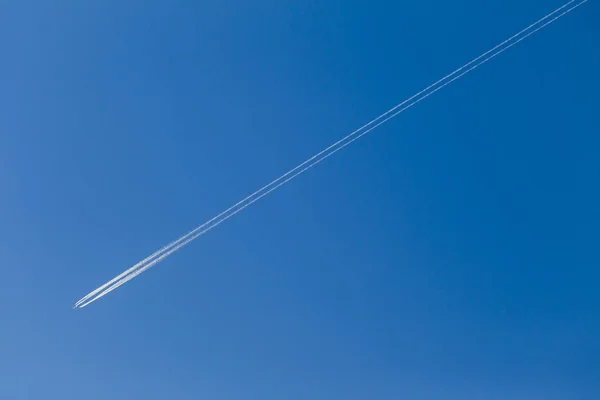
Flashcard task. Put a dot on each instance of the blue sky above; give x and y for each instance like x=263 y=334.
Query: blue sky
x=452 y=254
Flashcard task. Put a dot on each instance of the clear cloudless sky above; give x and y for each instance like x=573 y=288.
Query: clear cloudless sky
x=451 y=254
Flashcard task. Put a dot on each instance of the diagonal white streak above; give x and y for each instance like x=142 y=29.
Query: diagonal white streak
x=274 y=182
x=164 y=252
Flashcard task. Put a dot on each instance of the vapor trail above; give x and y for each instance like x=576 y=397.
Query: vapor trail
x=256 y=193
x=167 y=250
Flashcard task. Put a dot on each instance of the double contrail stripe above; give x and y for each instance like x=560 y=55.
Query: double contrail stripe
x=164 y=252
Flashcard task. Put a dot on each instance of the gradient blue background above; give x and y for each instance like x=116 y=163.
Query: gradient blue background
x=451 y=254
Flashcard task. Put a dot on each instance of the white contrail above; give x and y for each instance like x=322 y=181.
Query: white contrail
x=164 y=252
x=256 y=193
x=193 y=232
